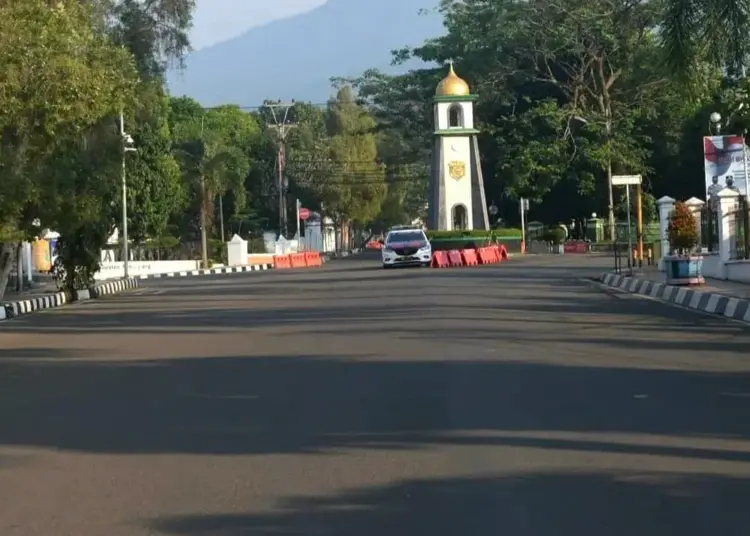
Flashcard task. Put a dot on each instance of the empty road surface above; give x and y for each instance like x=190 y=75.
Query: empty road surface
x=509 y=400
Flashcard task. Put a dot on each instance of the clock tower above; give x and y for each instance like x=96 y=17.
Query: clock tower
x=456 y=196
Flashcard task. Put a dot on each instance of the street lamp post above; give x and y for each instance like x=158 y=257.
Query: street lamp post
x=128 y=147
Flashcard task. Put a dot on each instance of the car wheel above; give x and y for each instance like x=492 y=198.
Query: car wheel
x=426 y=264
x=386 y=266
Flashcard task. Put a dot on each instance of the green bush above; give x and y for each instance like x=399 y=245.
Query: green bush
x=217 y=251
x=163 y=242
x=469 y=234
x=256 y=245
x=509 y=232
x=554 y=235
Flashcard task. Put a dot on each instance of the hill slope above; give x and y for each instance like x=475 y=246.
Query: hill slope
x=294 y=58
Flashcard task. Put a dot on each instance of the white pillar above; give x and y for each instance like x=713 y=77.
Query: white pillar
x=666 y=206
x=28 y=261
x=727 y=232
x=237 y=252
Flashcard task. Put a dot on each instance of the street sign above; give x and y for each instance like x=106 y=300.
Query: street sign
x=304 y=214
x=626 y=180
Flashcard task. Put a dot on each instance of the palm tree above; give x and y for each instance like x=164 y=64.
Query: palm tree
x=715 y=31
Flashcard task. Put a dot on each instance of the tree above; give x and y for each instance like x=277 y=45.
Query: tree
x=583 y=52
x=713 y=31
x=155 y=32
x=62 y=81
x=212 y=146
x=355 y=188
x=155 y=189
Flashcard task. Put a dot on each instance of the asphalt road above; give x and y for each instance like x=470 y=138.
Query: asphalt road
x=350 y=401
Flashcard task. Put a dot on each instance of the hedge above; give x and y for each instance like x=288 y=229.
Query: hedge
x=473 y=234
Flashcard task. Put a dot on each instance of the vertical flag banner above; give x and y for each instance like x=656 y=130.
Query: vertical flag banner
x=724 y=164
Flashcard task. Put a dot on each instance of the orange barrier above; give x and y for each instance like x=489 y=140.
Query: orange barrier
x=487 y=256
x=281 y=262
x=470 y=257
x=312 y=258
x=440 y=259
x=454 y=257
x=298 y=260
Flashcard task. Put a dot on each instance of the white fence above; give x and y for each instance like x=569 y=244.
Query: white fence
x=116 y=270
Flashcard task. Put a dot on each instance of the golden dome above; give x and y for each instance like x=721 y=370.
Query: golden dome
x=452 y=85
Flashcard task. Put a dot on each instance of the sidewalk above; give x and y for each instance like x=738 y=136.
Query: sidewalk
x=39 y=290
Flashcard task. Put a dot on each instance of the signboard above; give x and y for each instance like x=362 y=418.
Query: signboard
x=626 y=180
x=724 y=164
x=304 y=214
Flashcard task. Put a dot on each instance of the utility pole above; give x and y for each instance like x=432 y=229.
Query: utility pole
x=282 y=126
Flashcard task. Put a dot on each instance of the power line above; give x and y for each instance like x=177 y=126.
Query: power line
x=263 y=106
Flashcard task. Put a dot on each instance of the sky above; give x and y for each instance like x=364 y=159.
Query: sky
x=219 y=20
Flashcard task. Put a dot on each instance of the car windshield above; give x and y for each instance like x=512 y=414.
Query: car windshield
x=405 y=236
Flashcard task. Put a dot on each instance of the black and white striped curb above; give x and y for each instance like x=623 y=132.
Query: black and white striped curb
x=211 y=271
x=114 y=287
x=23 y=307
x=706 y=302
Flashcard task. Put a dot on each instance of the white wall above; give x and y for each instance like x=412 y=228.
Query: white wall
x=738 y=271
x=115 y=270
x=712 y=266
x=316 y=239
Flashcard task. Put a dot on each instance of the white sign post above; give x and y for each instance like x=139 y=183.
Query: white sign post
x=627 y=181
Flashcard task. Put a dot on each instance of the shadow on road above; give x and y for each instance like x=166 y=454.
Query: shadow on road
x=535 y=504
x=312 y=404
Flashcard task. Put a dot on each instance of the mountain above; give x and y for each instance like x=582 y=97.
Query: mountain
x=295 y=57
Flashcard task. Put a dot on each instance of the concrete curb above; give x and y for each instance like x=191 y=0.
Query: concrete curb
x=23 y=307
x=15 y=309
x=211 y=271
x=113 y=287
x=705 y=302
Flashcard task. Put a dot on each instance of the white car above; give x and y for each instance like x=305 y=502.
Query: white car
x=406 y=247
